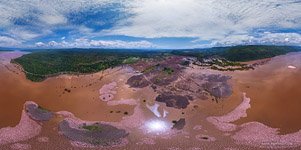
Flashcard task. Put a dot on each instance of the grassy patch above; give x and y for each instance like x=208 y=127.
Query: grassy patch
x=131 y=60
x=92 y=128
x=148 y=69
x=168 y=71
x=43 y=109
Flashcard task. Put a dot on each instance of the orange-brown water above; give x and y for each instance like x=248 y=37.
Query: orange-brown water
x=275 y=93
x=273 y=89
x=83 y=100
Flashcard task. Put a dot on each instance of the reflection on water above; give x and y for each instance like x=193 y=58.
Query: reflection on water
x=157 y=126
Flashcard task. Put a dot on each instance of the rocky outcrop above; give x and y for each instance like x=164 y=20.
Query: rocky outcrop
x=175 y=101
x=37 y=113
x=180 y=124
x=217 y=85
x=138 y=81
x=92 y=133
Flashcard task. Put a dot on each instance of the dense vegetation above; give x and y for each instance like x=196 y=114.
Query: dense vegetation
x=200 y=53
x=239 y=53
x=247 y=53
x=42 y=64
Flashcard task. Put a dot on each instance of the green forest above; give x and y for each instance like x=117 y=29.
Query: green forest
x=239 y=53
x=39 y=65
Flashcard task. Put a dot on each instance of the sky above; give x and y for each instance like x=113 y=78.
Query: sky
x=148 y=24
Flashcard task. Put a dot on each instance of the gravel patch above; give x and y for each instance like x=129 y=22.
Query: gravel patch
x=122 y=102
x=223 y=123
x=107 y=91
x=26 y=129
x=197 y=127
x=136 y=120
x=259 y=135
x=43 y=139
x=146 y=141
x=19 y=146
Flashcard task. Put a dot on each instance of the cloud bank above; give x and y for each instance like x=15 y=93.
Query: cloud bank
x=217 y=22
x=86 y=43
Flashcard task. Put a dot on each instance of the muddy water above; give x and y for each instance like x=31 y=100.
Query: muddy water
x=273 y=89
x=275 y=93
x=83 y=99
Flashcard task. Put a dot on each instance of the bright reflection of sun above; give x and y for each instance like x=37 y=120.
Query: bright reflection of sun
x=157 y=126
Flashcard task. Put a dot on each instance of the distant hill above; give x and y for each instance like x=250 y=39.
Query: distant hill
x=239 y=53
x=253 y=52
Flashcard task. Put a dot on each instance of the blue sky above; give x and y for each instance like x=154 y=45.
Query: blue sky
x=148 y=23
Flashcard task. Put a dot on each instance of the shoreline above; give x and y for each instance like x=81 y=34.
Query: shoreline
x=67 y=73
x=253 y=63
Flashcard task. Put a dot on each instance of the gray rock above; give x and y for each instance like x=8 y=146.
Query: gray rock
x=138 y=81
x=100 y=134
x=38 y=113
x=175 y=101
x=218 y=86
x=180 y=124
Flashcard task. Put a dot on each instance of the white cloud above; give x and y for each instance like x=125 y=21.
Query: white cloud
x=220 y=21
x=267 y=38
x=39 y=15
x=122 y=44
x=207 y=19
x=51 y=12
x=23 y=34
x=83 y=43
x=53 y=44
x=53 y=19
x=281 y=38
x=8 y=41
x=40 y=44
